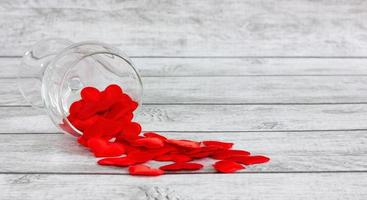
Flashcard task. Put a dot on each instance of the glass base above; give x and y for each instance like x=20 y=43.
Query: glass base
x=33 y=66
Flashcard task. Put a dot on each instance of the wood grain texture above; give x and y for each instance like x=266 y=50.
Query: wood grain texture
x=255 y=90
x=289 y=151
x=211 y=118
x=167 y=67
x=276 y=60
x=175 y=187
x=193 y=28
x=235 y=90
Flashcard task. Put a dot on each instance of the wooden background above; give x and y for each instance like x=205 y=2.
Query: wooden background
x=284 y=78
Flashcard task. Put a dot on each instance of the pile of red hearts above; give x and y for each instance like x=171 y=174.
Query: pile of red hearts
x=105 y=119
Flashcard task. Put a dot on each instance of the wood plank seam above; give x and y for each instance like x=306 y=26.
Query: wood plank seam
x=188 y=173
x=203 y=132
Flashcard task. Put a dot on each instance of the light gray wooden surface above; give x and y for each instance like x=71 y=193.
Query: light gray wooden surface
x=213 y=118
x=300 y=152
x=243 y=90
x=287 y=79
x=278 y=186
x=193 y=28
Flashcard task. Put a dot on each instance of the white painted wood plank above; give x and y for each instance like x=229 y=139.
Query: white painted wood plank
x=230 y=66
x=289 y=152
x=193 y=28
x=212 y=118
x=256 y=89
x=341 y=186
x=10 y=93
x=235 y=90
x=249 y=66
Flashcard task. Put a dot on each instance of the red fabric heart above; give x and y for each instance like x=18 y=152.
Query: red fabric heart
x=227 y=166
x=180 y=158
x=133 y=105
x=109 y=96
x=181 y=166
x=250 y=160
x=129 y=102
x=103 y=128
x=117 y=111
x=144 y=170
x=103 y=148
x=90 y=94
x=173 y=157
x=126 y=119
x=154 y=135
x=199 y=154
x=120 y=162
x=166 y=157
x=225 y=154
x=83 y=141
x=140 y=156
x=113 y=91
x=104 y=104
x=184 y=143
x=84 y=124
x=87 y=111
x=131 y=131
x=162 y=151
x=224 y=145
x=203 y=152
x=150 y=143
x=75 y=108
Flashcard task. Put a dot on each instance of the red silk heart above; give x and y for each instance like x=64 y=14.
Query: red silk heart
x=181 y=166
x=184 y=143
x=144 y=170
x=103 y=148
x=224 y=145
x=225 y=154
x=250 y=160
x=150 y=143
x=227 y=166
x=120 y=162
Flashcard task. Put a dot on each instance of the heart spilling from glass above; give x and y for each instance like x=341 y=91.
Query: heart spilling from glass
x=105 y=119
